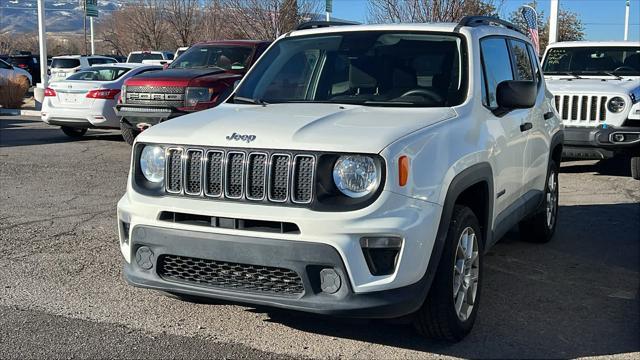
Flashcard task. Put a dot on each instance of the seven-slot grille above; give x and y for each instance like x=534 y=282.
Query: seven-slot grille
x=238 y=174
x=582 y=109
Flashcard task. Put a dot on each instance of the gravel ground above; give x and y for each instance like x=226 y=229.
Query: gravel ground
x=62 y=292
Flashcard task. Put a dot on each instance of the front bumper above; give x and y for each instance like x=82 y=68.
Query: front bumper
x=305 y=258
x=132 y=115
x=599 y=142
x=330 y=239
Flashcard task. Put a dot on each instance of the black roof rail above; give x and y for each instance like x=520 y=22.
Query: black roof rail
x=322 y=24
x=487 y=20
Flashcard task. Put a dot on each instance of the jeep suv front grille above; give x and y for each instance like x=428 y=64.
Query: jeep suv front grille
x=254 y=176
x=581 y=109
x=231 y=276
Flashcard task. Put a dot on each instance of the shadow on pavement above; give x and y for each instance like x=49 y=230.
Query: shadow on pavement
x=20 y=132
x=575 y=296
x=616 y=166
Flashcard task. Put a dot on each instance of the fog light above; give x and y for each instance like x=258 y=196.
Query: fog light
x=618 y=138
x=381 y=254
x=144 y=257
x=330 y=281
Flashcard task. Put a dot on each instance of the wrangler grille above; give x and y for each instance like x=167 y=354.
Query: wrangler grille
x=228 y=275
x=581 y=109
x=241 y=175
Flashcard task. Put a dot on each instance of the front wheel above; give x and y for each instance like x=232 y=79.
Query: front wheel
x=128 y=133
x=451 y=306
x=540 y=227
x=73 y=131
x=635 y=167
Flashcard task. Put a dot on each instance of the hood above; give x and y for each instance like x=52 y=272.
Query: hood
x=311 y=127
x=592 y=85
x=175 y=77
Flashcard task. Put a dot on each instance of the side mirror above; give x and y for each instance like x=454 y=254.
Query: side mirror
x=516 y=94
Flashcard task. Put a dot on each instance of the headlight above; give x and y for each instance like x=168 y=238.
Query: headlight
x=152 y=163
x=356 y=175
x=616 y=104
x=195 y=95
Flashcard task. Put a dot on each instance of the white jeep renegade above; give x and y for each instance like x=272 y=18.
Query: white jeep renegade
x=596 y=86
x=359 y=170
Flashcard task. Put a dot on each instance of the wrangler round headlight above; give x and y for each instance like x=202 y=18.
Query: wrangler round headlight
x=616 y=104
x=356 y=175
x=152 y=163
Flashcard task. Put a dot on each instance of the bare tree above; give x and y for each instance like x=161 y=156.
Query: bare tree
x=385 y=11
x=185 y=18
x=266 y=19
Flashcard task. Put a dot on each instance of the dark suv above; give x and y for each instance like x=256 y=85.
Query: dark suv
x=29 y=63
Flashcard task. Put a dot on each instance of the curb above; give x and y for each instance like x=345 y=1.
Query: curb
x=19 y=112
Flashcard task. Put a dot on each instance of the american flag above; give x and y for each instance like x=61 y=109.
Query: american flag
x=531 y=19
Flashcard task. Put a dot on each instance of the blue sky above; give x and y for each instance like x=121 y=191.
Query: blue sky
x=603 y=19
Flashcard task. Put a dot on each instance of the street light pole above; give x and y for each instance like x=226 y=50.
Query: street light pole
x=626 y=22
x=553 y=22
x=93 y=48
x=42 y=37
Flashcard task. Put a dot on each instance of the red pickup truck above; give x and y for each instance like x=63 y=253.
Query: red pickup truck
x=199 y=79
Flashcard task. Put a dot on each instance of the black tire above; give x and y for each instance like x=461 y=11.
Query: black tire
x=438 y=317
x=73 y=131
x=128 y=133
x=540 y=227
x=635 y=167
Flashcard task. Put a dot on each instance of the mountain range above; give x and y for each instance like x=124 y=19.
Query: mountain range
x=21 y=16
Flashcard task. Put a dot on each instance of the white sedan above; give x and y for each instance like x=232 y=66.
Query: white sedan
x=86 y=99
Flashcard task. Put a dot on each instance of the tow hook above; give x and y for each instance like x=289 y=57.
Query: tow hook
x=143 y=126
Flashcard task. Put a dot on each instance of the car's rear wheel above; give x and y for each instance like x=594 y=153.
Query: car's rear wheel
x=128 y=133
x=451 y=306
x=73 y=131
x=635 y=167
x=541 y=226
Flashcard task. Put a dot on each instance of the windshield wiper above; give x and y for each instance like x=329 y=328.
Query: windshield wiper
x=575 y=76
x=247 y=100
x=618 y=77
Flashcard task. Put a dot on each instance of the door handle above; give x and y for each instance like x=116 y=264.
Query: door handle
x=526 y=126
x=548 y=115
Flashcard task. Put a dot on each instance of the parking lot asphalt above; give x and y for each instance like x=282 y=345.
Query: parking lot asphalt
x=62 y=292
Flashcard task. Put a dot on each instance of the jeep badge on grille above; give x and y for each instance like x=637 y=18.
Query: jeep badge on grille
x=238 y=137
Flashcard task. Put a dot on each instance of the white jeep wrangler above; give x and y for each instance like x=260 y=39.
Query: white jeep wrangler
x=359 y=170
x=596 y=86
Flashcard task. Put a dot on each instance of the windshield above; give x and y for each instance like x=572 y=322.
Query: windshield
x=137 y=58
x=226 y=57
x=100 y=74
x=366 y=68
x=593 y=61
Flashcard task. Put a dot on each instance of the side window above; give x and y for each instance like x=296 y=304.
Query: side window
x=497 y=67
x=521 y=60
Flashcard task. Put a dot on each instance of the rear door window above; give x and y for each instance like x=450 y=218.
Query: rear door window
x=65 y=63
x=497 y=67
x=521 y=60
